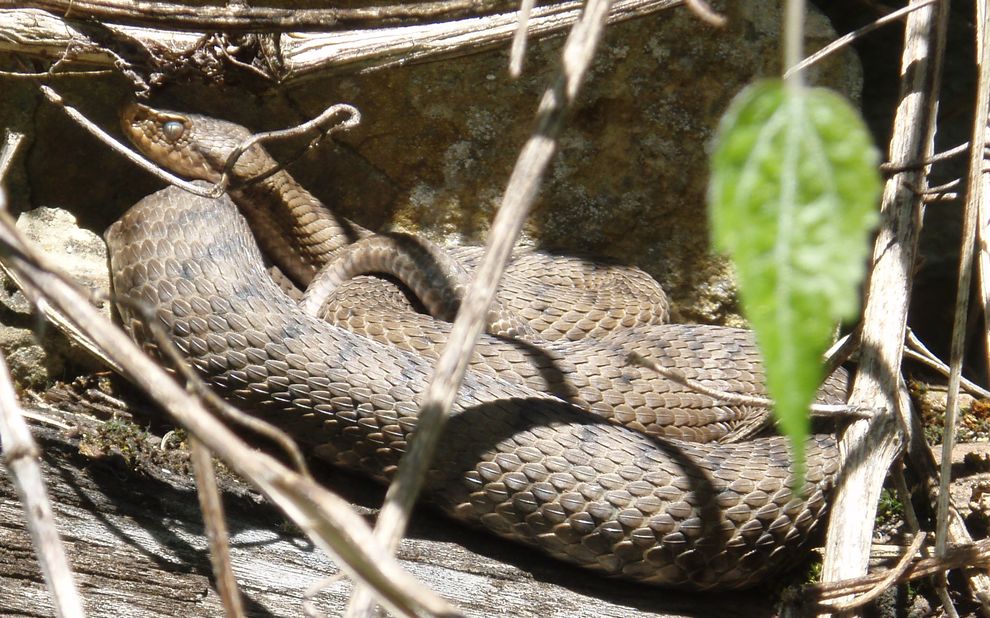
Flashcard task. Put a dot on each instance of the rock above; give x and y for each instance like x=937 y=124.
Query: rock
x=35 y=351
x=630 y=179
x=438 y=141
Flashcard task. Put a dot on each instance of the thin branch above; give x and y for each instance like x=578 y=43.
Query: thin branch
x=303 y=55
x=727 y=398
x=320 y=124
x=44 y=75
x=889 y=577
x=520 y=193
x=12 y=140
x=21 y=454
x=199 y=188
x=794 y=11
x=705 y=13
x=974 y=197
x=890 y=168
x=916 y=350
x=216 y=529
x=904 y=494
x=983 y=227
x=309 y=605
x=196 y=385
x=97 y=132
x=244 y=18
x=325 y=518
x=868 y=448
x=847 y=39
x=517 y=52
x=971 y=556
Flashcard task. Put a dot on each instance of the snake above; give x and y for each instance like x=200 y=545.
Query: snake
x=588 y=458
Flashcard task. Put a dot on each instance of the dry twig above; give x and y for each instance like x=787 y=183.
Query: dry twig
x=847 y=39
x=520 y=193
x=34 y=33
x=916 y=350
x=20 y=456
x=868 y=448
x=244 y=18
x=970 y=556
x=888 y=579
x=216 y=529
x=325 y=518
x=974 y=198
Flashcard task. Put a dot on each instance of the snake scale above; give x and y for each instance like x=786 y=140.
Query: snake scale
x=547 y=443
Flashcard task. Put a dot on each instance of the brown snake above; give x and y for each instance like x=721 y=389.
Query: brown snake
x=522 y=463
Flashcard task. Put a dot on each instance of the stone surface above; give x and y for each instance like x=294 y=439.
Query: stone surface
x=630 y=179
x=438 y=141
x=35 y=351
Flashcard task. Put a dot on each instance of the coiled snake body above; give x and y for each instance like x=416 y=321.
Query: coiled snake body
x=519 y=456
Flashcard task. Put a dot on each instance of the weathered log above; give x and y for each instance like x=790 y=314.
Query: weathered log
x=135 y=538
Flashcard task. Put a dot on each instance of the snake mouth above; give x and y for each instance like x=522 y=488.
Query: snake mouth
x=130 y=112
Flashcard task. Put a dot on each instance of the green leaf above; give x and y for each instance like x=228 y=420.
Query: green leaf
x=793 y=199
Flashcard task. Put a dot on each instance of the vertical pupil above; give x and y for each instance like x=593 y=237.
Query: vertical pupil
x=173 y=130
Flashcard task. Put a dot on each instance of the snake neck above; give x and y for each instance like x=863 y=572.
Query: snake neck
x=296 y=231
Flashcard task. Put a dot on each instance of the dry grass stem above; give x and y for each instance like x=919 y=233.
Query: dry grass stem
x=888 y=579
x=848 y=39
x=20 y=455
x=916 y=350
x=517 y=53
x=325 y=518
x=867 y=448
x=974 y=197
x=520 y=193
x=216 y=529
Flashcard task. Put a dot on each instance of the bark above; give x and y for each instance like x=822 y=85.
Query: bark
x=146 y=53
x=135 y=539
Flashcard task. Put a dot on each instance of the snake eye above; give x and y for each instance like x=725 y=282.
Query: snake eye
x=173 y=130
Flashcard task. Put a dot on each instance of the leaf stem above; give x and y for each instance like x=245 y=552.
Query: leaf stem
x=793 y=42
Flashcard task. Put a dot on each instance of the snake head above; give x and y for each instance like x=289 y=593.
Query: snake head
x=188 y=144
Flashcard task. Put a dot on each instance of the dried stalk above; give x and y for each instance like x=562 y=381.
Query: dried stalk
x=974 y=555
x=916 y=350
x=216 y=529
x=326 y=518
x=520 y=193
x=245 y=18
x=20 y=455
x=12 y=140
x=302 y=55
x=983 y=214
x=888 y=579
x=848 y=39
x=868 y=448
x=974 y=198
x=517 y=52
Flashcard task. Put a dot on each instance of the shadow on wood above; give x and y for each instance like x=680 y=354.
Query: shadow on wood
x=136 y=543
